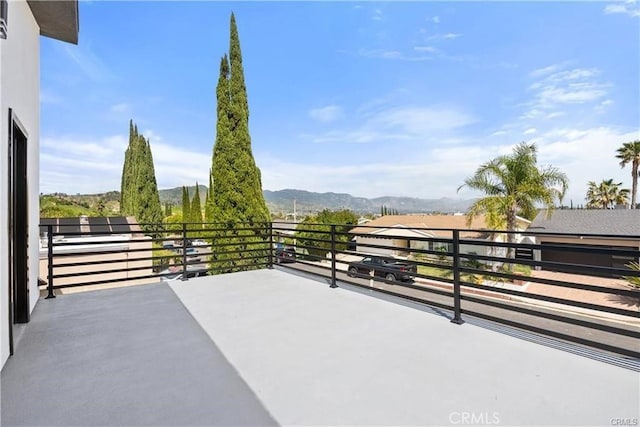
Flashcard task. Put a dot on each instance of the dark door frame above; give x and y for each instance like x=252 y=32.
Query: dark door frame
x=18 y=225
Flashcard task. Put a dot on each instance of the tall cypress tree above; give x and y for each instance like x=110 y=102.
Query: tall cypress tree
x=208 y=203
x=186 y=205
x=139 y=190
x=196 y=210
x=237 y=200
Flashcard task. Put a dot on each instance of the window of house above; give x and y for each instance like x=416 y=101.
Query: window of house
x=4 y=9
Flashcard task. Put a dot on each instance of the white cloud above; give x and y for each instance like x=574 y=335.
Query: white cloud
x=435 y=19
x=326 y=114
x=121 y=108
x=450 y=36
x=628 y=7
x=429 y=49
x=377 y=15
x=530 y=131
x=92 y=165
x=555 y=87
x=585 y=154
x=390 y=54
x=393 y=124
x=446 y=36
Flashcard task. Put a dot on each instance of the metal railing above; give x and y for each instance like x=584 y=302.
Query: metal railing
x=508 y=277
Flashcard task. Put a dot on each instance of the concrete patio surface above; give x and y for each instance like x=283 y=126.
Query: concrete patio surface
x=320 y=356
x=125 y=356
x=268 y=347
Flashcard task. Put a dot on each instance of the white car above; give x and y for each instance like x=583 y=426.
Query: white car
x=198 y=242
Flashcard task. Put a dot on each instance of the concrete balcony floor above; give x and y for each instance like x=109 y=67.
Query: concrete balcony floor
x=271 y=348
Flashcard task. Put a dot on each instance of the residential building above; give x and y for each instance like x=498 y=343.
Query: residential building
x=22 y=24
x=401 y=233
x=615 y=227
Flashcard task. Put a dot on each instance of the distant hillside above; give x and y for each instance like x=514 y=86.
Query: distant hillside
x=308 y=202
x=59 y=206
x=174 y=195
x=281 y=201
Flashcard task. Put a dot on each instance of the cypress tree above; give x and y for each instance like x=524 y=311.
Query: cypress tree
x=208 y=203
x=139 y=190
x=196 y=210
x=237 y=200
x=186 y=205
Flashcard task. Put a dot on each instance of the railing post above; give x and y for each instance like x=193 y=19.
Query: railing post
x=50 y=293
x=333 y=256
x=270 y=266
x=457 y=318
x=184 y=252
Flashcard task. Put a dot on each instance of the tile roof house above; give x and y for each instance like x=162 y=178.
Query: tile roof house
x=597 y=228
x=404 y=232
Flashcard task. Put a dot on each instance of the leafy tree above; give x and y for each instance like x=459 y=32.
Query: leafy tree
x=236 y=201
x=629 y=153
x=314 y=231
x=606 y=195
x=139 y=192
x=514 y=185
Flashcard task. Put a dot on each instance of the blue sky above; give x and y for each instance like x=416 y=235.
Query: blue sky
x=368 y=98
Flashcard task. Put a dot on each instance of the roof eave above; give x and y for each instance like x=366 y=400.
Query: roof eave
x=57 y=19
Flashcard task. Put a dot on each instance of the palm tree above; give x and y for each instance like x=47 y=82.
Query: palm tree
x=514 y=185
x=606 y=195
x=630 y=153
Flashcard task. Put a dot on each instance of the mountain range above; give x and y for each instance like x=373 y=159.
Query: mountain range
x=307 y=202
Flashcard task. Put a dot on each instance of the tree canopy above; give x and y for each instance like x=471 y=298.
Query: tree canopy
x=515 y=185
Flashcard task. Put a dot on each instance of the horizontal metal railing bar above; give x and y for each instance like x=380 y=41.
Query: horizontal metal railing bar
x=310 y=263
x=115 y=261
x=557 y=300
x=426 y=251
x=434 y=239
x=563 y=247
x=581 y=268
x=107 y=281
x=568 y=247
x=130 y=269
x=103 y=252
x=551 y=316
x=402 y=284
x=248 y=266
x=396 y=294
x=527 y=232
x=166 y=227
x=554 y=334
x=551 y=282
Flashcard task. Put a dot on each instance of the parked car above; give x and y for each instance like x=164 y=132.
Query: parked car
x=388 y=268
x=286 y=254
x=199 y=242
x=188 y=251
x=171 y=275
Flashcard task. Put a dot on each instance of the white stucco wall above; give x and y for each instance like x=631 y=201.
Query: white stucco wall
x=19 y=90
